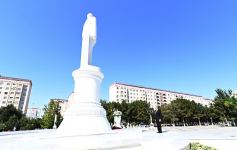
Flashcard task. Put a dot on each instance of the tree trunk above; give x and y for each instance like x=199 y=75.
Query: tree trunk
x=199 y=122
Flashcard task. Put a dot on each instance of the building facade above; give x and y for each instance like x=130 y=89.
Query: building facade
x=63 y=103
x=34 y=113
x=15 y=91
x=156 y=97
x=235 y=94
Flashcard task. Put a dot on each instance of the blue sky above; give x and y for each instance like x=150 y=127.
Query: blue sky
x=186 y=46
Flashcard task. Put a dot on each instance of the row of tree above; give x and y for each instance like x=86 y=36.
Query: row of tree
x=179 y=112
x=223 y=109
x=13 y=119
x=137 y=112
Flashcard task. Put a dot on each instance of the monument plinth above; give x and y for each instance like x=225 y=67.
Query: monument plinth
x=85 y=114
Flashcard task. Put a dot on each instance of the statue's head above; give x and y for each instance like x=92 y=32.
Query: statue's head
x=89 y=15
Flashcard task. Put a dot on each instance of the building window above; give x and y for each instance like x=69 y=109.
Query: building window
x=7 y=88
x=8 y=83
x=5 y=93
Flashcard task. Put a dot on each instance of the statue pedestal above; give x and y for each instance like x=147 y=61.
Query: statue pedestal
x=85 y=115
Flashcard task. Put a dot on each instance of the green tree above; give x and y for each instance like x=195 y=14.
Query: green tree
x=29 y=123
x=226 y=105
x=9 y=118
x=110 y=107
x=139 y=112
x=50 y=111
x=169 y=115
x=134 y=113
x=8 y=111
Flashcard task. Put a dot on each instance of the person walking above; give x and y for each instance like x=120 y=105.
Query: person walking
x=159 y=119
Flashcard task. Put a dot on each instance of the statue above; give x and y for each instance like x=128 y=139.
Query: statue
x=88 y=40
x=117 y=120
x=85 y=115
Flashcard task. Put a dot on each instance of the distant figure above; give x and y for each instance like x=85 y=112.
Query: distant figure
x=159 y=119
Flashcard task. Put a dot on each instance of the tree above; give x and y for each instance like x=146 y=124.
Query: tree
x=226 y=105
x=8 y=111
x=133 y=113
x=110 y=107
x=9 y=118
x=139 y=112
x=169 y=115
x=50 y=111
x=29 y=123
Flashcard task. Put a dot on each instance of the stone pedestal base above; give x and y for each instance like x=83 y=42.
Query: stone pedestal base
x=85 y=115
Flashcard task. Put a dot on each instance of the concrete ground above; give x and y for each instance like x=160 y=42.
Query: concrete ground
x=172 y=138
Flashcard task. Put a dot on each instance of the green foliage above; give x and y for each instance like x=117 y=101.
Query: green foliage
x=225 y=105
x=139 y=112
x=7 y=112
x=29 y=123
x=9 y=118
x=11 y=123
x=12 y=119
x=178 y=112
x=134 y=113
x=50 y=111
x=198 y=146
x=185 y=112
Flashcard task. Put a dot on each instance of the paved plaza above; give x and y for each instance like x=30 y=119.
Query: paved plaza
x=173 y=138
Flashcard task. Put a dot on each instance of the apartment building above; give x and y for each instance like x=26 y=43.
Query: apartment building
x=156 y=97
x=15 y=91
x=235 y=93
x=63 y=103
x=34 y=113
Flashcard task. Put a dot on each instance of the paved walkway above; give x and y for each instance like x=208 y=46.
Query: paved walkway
x=172 y=138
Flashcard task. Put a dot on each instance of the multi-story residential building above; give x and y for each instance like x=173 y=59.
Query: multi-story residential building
x=63 y=104
x=34 y=113
x=156 y=97
x=15 y=91
x=235 y=93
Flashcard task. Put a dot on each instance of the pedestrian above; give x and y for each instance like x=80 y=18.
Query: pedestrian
x=159 y=119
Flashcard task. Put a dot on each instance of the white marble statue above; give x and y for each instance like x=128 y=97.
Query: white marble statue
x=88 y=40
x=85 y=115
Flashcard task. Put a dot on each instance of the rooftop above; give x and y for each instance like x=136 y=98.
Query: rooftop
x=16 y=79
